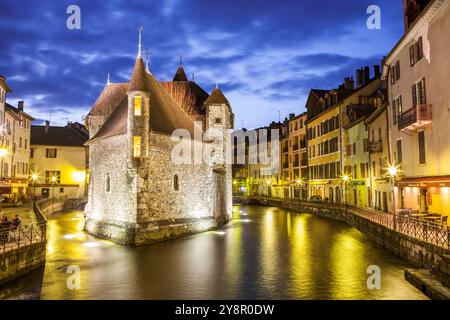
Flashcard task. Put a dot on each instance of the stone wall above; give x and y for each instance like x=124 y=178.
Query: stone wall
x=419 y=253
x=143 y=205
x=17 y=262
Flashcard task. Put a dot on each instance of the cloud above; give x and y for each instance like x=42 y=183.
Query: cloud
x=266 y=55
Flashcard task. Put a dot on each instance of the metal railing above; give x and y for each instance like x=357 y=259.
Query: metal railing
x=423 y=230
x=12 y=237
x=421 y=112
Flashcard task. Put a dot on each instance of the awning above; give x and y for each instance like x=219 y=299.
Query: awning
x=5 y=188
x=436 y=181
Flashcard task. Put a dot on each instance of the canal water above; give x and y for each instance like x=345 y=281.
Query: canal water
x=264 y=253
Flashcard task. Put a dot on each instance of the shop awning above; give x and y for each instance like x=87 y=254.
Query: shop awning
x=5 y=188
x=436 y=181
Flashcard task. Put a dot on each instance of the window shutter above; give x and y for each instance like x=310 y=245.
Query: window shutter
x=419 y=49
x=423 y=93
x=397 y=69
x=422 y=157
x=399 y=152
x=414 y=95
x=394 y=112
x=411 y=55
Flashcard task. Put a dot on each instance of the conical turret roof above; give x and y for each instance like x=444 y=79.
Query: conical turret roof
x=180 y=75
x=138 y=80
x=217 y=97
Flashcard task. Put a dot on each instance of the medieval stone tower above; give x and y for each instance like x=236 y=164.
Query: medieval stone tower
x=137 y=193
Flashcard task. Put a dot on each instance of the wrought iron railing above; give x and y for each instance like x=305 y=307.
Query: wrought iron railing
x=427 y=231
x=421 y=112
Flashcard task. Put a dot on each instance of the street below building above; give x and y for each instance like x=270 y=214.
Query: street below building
x=263 y=253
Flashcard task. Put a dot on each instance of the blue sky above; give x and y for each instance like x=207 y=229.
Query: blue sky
x=265 y=54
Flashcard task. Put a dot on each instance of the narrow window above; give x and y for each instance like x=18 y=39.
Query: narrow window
x=49 y=153
x=399 y=152
x=419 y=49
x=108 y=183
x=176 y=183
x=219 y=121
x=136 y=146
x=412 y=56
x=422 y=156
x=137 y=105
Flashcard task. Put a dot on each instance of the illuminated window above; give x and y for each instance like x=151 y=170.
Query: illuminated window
x=137 y=105
x=136 y=146
x=176 y=183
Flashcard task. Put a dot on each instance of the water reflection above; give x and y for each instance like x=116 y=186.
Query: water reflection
x=263 y=253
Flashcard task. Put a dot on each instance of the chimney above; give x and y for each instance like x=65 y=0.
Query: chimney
x=20 y=105
x=366 y=75
x=358 y=78
x=377 y=71
x=47 y=124
x=349 y=83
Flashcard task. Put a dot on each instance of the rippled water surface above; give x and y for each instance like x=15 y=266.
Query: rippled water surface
x=264 y=253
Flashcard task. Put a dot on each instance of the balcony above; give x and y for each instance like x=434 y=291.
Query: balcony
x=375 y=146
x=415 y=118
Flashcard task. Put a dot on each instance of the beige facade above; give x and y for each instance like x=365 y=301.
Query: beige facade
x=16 y=145
x=380 y=192
x=417 y=72
x=298 y=157
x=59 y=160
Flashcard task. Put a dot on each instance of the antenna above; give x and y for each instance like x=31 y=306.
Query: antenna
x=279 y=116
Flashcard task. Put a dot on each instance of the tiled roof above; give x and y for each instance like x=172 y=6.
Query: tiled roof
x=17 y=111
x=165 y=114
x=138 y=82
x=188 y=95
x=217 y=97
x=74 y=135
x=110 y=97
x=180 y=75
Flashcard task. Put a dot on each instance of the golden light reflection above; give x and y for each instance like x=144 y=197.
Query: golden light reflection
x=348 y=268
x=301 y=265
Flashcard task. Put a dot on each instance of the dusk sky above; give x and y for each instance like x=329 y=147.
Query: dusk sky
x=265 y=54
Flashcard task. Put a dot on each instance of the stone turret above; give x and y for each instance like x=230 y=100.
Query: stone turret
x=219 y=119
x=138 y=111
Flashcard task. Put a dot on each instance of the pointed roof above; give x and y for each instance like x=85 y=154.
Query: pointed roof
x=165 y=114
x=110 y=97
x=189 y=95
x=217 y=97
x=180 y=75
x=138 y=77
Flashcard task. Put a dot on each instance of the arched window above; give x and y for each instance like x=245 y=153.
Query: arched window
x=176 y=182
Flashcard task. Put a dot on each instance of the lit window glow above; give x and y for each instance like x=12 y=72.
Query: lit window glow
x=137 y=105
x=136 y=146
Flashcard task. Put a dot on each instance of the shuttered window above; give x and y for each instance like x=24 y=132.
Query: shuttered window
x=422 y=155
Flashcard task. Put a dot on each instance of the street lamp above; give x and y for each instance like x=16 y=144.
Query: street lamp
x=53 y=186
x=393 y=172
x=34 y=177
x=3 y=153
x=345 y=179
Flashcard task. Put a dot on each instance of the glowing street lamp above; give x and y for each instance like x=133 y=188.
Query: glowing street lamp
x=345 y=179
x=53 y=185
x=393 y=172
x=34 y=177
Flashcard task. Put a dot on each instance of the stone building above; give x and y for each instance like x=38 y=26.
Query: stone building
x=138 y=193
x=298 y=157
x=58 y=160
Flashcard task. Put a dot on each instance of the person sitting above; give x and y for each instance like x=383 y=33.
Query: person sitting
x=16 y=222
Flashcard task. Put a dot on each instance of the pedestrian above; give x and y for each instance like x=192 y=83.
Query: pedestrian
x=16 y=222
